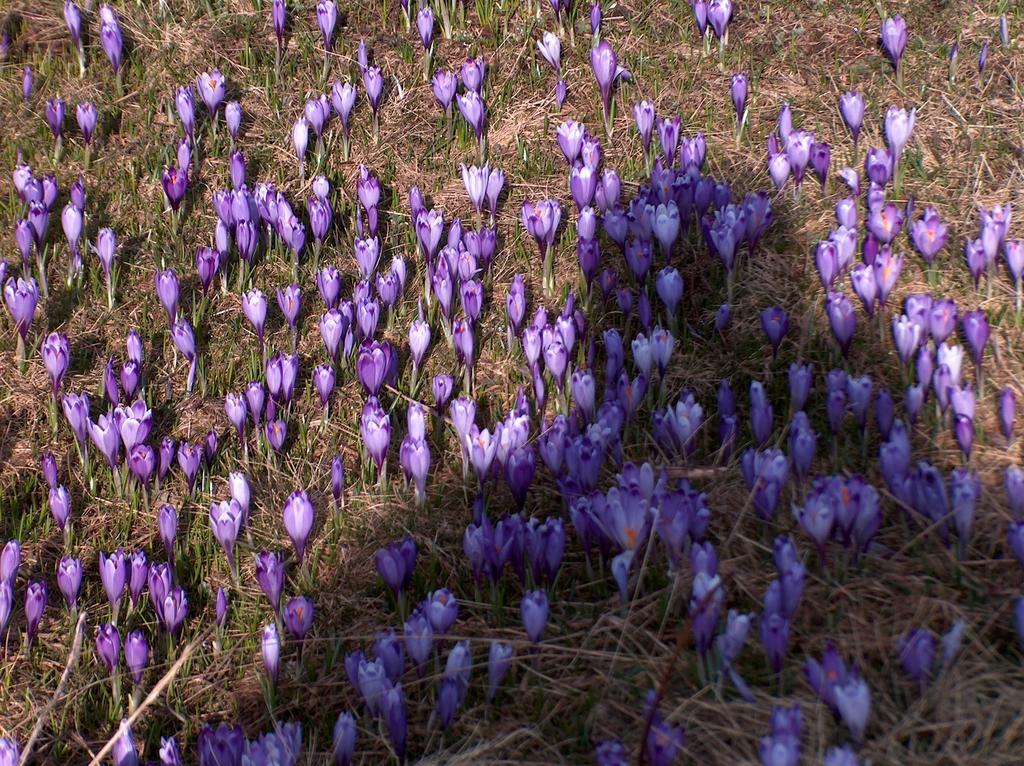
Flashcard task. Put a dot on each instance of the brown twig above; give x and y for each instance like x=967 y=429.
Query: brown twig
x=152 y=696
x=44 y=716
x=682 y=641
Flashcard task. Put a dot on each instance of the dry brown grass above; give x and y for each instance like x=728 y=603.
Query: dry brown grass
x=599 y=656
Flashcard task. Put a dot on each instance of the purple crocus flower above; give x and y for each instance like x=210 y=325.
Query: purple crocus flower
x=1007 y=412
x=842 y=319
x=444 y=85
x=270 y=576
x=175 y=183
x=774 y=323
x=35 y=604
x=976 y=332
x=226 y=521
x=851 y=108
x=344 y=739
x=550 y=47
x=605 y=65
x=853 y=700
x=111 y=39
x=929 y=235
x=136 y=654
x=474 y=111
x=894 y=40
x=211 y=89
x=298 y=617
x=719 y=13
x=254 y=306
x=21 y=297
x=56 y=355
x=298 y=520
x=738 y=90
x=69 y=580
x=289 y=301
x=395 y=564
x=73 y=19
x=270 y=648
x=534 y=612
x=373 y=83
x=108 y=646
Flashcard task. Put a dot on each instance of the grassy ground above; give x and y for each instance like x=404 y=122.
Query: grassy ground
x=599 y=658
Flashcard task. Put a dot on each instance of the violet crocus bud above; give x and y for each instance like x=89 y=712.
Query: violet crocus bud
x=604 y=64
x=851 y=108
x=853 y=700
x=395 y=564
x=211 y=87
x=976 y=331
x=10 y=561
x=271 y=650
x=299 y=515
x=270 y=576
x=35 y=604
x=534 y=612
x=69 y=580
x=344 y=739
x=21 y=297
x=136 y=654
x=226 y=522
x=738 y=90
x=254 y=306
x=108 y=646
x=337 y=479
x=894 y=40
x=842 y=319
x=56 y=357
x=499 y=660
x=298 y=617
x=774 y=323
x=85 y=115
x=550 y=47
x=233 y=117
x=123 y=752
x=444 y=85
x=111 y=39
x=1007 y=412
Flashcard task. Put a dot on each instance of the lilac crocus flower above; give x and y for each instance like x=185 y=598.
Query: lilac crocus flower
x=534 y=612
x=373 y=83
x=894 y=40
x=211 y=89
x=298 y=617
x=738 y=91
x=298 y=520
x=270 y=648
x=270 y=576
x=108 y=646
x=395 y=564
x=605 y=66
x=254 y=306
x=929 y=235
x=111 y=39
x=842 y=319
x=56 y=355
x=851 y=108
x=976 y=332
x=226 y=522
x=21 y=297
x=899 y=125
x=550 y=47
x=69 y=580
x=774 y=323
x=327 y=18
